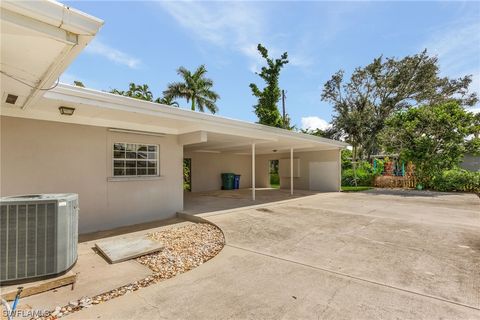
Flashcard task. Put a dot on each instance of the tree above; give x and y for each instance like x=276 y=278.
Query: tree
x=346 y=158
x=195 y=88
x=472 y=146
x=78 y=83
x=329 y=133
x=141 y=92
x=167 y=101
x=473 y=143
x=433 y=137
x=373 y=93
x=266 y=108
x=187 y=174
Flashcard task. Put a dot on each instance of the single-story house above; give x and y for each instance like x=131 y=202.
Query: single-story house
x=123 y=156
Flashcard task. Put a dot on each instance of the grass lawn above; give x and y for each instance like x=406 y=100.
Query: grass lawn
x=275 y=185
x=355 y=189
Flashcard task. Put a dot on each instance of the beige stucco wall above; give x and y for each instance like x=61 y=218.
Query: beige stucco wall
x=50 y=157
x=330 y=179
x=207 y=168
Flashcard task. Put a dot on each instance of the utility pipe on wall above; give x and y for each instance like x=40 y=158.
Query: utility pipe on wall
x=253 y=171
x=339 y=170
x=291 y=171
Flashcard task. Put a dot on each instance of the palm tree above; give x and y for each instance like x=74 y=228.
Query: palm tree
x=196 y=88
x=132 y=88
x=141 y=92
x=168 y=101
x=119 y=92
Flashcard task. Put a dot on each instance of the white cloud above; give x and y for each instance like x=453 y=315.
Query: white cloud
x=458 y=49
x=112 y=54
x=238 y=26
x=474 y=110
x=300 y=61
x=224 y=24
x=313 y=123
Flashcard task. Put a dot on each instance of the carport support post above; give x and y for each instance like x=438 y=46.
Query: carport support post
x=253 y=171
x=291 y=171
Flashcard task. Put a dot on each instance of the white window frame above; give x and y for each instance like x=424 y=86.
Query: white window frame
x=157 y=160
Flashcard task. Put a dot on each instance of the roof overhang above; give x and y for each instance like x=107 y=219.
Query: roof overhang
x=199 y=132
x=39 y=39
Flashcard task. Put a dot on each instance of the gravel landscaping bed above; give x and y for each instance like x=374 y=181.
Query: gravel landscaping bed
x=185 y=248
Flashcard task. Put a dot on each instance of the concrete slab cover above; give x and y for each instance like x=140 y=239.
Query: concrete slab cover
x=118 y=249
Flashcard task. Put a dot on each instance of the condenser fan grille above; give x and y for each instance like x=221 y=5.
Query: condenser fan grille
x=38 y=236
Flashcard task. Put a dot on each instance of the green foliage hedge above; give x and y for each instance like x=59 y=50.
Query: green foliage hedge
x=456 y=180
x=365 y=175
x=274 y=179
x=346 y=157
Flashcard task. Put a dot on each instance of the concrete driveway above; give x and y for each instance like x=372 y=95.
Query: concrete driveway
x=371 y=255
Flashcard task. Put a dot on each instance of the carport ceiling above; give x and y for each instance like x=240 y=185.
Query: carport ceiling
x=225 y=143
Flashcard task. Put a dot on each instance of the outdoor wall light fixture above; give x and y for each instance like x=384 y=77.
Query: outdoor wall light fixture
x=66 y=111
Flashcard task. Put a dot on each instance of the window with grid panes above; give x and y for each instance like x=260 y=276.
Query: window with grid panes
x=135 y=160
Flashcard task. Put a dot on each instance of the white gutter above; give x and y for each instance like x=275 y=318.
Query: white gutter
x=78 y=27
x=75 y=94
x=55 y=14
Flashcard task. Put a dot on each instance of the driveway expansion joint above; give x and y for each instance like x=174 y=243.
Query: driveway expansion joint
x=344 y=275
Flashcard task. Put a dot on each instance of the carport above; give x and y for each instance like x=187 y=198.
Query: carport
x=215 y=202
x=306 y=162
x=123 y=156
x=214 y=145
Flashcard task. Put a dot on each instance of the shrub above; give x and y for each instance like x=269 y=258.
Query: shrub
x=433 y=138
x=379 y=168
x=274 y=179
x=364 y=175
x=456 y=180
x=346 y=157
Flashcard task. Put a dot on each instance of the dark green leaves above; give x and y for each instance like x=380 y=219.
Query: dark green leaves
x=195 y=88
x=141 y=92
x=387 y=85
x=433 y=137
x=266 y=108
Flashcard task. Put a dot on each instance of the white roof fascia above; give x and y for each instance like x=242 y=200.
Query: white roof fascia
x=80 y=95
x=39 y=27
x=79 y=29
x=55 y=14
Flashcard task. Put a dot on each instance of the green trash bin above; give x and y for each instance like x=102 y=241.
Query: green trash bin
x=228 y=181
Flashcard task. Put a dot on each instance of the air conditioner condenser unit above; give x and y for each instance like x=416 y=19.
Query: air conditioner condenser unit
x=38 y=236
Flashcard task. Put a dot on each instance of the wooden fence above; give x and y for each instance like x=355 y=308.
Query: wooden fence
x=407 y=182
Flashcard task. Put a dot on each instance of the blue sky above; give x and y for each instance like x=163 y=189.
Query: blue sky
x=145 y=42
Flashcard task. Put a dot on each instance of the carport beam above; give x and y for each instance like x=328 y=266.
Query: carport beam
x=253 y=171
x=291 y=171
